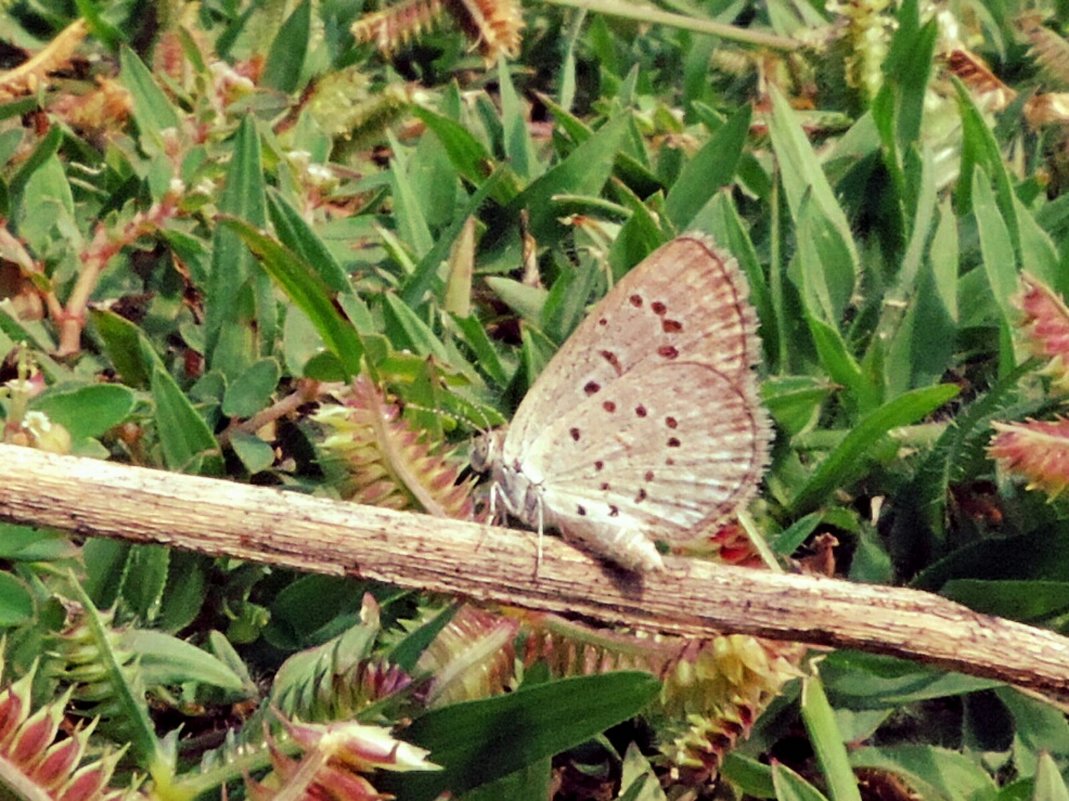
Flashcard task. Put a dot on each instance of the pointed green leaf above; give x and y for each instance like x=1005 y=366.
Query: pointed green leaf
x=232 y=264
x=846 y=461
x=285 y=59
x=583 y=172
x=153 y=112
x=251 y=390
x=479 y=741
x=188 y=443
x=827 y=741
x=708 y=170
x=304 y=286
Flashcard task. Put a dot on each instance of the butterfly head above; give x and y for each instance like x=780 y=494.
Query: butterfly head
x=486 y=451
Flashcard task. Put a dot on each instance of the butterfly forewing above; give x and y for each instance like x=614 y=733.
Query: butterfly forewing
x=686 y=300
x=648 y=415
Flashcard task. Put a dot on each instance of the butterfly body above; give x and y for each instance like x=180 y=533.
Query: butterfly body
x=646 y=424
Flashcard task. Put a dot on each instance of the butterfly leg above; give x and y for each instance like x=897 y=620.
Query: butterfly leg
x=541 y=529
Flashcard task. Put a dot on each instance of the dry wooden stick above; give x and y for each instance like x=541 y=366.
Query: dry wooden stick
x=692 y=597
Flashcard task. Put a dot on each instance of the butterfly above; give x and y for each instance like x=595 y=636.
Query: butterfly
x=646 y=425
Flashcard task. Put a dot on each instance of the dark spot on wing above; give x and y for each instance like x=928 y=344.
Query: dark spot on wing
x=575 y=434
x=671 y=326
x=613 y=361
x=581 y=510
x=636 y=300
x=671 y=422
x=609 y=406
x=658 y=307
x=640 y=410
x=614 y=511
x=673 y=442
x=668 y=351
x=590 y=387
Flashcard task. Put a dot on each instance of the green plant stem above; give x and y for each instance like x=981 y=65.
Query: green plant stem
x=644 y=13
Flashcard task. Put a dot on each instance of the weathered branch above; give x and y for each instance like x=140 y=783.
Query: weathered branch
x=692 y=597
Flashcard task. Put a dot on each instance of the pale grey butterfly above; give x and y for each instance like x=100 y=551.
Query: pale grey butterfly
x=646 y=425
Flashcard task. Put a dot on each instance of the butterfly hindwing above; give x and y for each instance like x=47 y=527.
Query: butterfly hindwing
x=668 y=463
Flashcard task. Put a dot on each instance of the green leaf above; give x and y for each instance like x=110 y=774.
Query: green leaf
x=144 y=579
x=827 y=741
x=467 y=154
x=295 y=233
x=152 y=110
x=935 y=773
x=285 y=59
x=788 y=540
x=792 y=787
x=840 y=364
x=531 y=783
x=46 y=208
x=424 y=277
x=845 y=461
x=921 y=348
x=1038 y=250
x=167 y=661
x=251 y=390
x=803 y=177
x=981 y=149
x=305 y=287
x=795 y=401
x=27 y=544
x=407 y=330
x=899 y=107
x=583 y=172
x=126 y=701
x=519 y=149
x=527 y=301
x=255 y=454
x=86 y=411
x=232 y=265
x=479 y=741
x=186 y=592
x=44 y=150
x=1050 y=786
x=16 y=601
x=826 y=279
x=121 y=340
x=1039 y=727
x=710 y=168
x=1024 y=599
x=999 y=260
x=857 y=680
x=188 y=443
x=406 y=653
x=748 y=775
x=722 y=218
x=473 y=333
